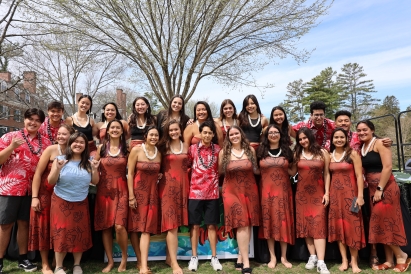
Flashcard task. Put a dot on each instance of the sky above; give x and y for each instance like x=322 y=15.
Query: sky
x=376 y=34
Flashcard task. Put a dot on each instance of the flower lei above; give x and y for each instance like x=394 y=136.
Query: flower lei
x=29 y=144
x=201 y=159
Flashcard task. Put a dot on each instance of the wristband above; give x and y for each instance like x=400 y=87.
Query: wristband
x=131 y=199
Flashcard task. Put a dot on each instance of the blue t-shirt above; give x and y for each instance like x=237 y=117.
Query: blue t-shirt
x=73 y=182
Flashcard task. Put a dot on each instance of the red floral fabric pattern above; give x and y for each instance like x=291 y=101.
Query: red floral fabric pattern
x=318 y=132
x=43 y=130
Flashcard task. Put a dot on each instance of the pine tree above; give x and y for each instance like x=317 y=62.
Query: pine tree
x=294 y=101
x=358 y=91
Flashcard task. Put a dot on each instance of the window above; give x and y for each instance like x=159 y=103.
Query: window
x=3 y=85
x=27 y=97
x=4 y=112
x=17 y=91
x=17 y=115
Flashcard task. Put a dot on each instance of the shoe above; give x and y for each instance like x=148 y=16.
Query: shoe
x=322 y=269
x=311 y=263
x=193 y=264
x=216 y=264
x=77 y=269
x=27 y=266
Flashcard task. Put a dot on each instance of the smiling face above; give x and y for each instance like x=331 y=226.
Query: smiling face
x=339 y=139
x=141 y=106
x=234 y=136
x=152 y=137
x=206 y=135
x=317 y=117
x=55 y=114
x=177 y=104
x=344 y=122
x=79 y=145
x=115 y=130
x=84 y=105
x=174 y=131
x=364 y=132
x=32 y=124
x=251 y=106
x=228 y=111
x=201 y=112
x=63 y=136
x=273 y=135
x=303 y=140
x=110 y=112
x=278 y=116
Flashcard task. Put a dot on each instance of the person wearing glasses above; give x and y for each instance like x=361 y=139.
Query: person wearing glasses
x=321 y=127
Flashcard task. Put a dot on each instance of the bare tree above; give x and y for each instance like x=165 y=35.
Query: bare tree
x=189 y=107
x=177 y=43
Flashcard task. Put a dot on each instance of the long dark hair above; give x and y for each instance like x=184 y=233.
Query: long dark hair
x=223 y=104
x=169 y=111
x=243 y=117
x=106 y=143
x=85 y=155
x=118 y=115
x=150 y=118
x=346 y=147
x=369 y=124
x=284 y=144
x=88 y=97
x=208 y=109
x=313 y=147
x=285 y=125
x=164 y=143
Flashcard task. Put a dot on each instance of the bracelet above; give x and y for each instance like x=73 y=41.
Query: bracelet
x=131 y=199
x=34 y=198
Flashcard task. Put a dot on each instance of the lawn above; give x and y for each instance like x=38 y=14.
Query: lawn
x=228 y=267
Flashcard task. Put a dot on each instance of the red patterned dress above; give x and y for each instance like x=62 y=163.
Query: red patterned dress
x=276 y=201
x=240 y=195
x=112 y=193
x=311 y=217
x=144 y=218
x=39 y=229
x=344 y=225
x=173 y=191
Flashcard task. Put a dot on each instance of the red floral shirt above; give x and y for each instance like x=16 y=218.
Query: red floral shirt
x=318 y=132
x=204 y=181
x=53 y=130
x=16 y=174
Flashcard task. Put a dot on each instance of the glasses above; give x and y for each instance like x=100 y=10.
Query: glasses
x=273 y=133
x=318 y=115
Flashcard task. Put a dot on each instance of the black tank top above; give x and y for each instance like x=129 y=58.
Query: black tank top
x=253 y=133
x=137 y=133
x=372 y=162
x=88 y=130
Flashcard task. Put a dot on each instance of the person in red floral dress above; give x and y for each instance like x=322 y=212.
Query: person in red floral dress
x=51 y=124
x=19 y=154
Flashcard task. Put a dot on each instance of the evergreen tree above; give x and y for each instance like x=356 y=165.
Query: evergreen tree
x=358 y=91
x=293 y=103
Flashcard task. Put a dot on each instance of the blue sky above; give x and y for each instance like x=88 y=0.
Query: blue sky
x=373 y=33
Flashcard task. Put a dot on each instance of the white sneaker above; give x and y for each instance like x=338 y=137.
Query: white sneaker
x=193 y=264
x=216 y=264
x=312 y=262
x=322 y=269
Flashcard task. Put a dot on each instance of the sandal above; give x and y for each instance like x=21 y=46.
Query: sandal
x=374 y=261
x=238 y=266
x=402 y=267
x=382 y=267
x=77 y=269
x=247 y=270
x=59 y=270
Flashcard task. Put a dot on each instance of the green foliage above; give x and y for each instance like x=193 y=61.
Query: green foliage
x=154 y=102
x=293 y=105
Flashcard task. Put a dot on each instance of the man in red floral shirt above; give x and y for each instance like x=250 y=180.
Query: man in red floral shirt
x=321 y=127
x=203 y=196
x=51 y=125
x=19 y=154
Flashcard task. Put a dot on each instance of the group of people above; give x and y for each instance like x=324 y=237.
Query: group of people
x=168 y=174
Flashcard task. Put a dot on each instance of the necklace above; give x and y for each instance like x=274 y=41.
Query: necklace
x=201 y=159
x=49 y=133
x=339 y=160
x=310 y=124
x=115 y=154
x=77 y=121
x=251 y=123
x=105 y=124
x=198 y=124
x=368 y=148
x=178 y=152
x=224 y=125
x=236 y=155
x=29 y=144
x=146 y=152
x=276 y=155
x=305 y=156
x=143 y=126
x=59 y=149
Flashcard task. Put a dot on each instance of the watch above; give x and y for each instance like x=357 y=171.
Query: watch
x=380 y=188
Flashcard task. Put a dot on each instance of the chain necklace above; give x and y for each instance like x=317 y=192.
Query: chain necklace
x=201 y=159
x=251 y=123
x=305 y=156
x=178 y=152
x=368 y=148
x=77 y=121
x=29 y=144
x=335 y=159
x=236 y=155
x=50 y=135
x=143 y=126
x=146 y=152
x=224 y=125
x=275 y=155
x=310 y=124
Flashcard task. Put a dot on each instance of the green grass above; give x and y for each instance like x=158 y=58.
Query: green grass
x=204 y=267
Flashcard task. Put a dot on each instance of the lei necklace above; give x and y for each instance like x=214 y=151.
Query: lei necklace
x=29 y=144
x=310 y=124
x=201 y=159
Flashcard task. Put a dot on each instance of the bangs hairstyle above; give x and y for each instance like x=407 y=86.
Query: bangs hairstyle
x=369 y=124
x=210 y=125
x=89 y=98
x=208 y=109
x=243 y=117
x=313 y=146
x=284 y=126
x=55 y=104
x=164 y=144
x=35 y=111
x=245 y=144
x=147 y=114
x=223 y=104
x=85 y=155
x=106 y=143
x=284 y=144
x=346 y=147
x=118 y=115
